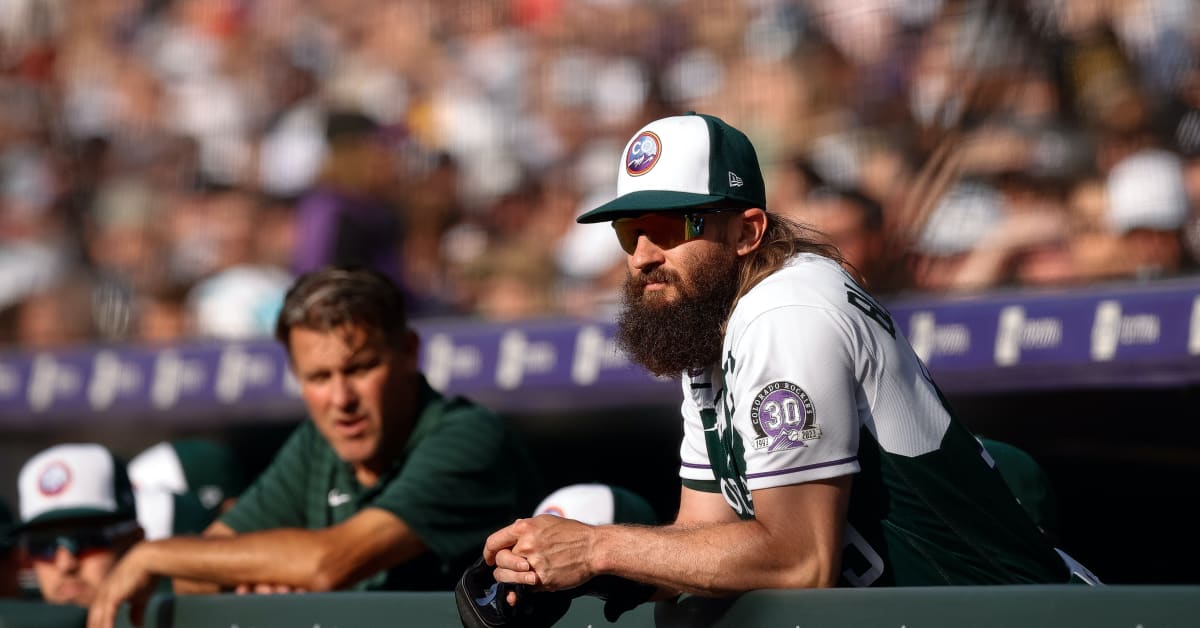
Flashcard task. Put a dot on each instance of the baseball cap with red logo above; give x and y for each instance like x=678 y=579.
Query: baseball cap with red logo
x=683 y=163
x=73 y=481
x=598 y=504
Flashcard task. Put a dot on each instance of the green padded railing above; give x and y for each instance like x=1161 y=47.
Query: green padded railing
x=1031 y=606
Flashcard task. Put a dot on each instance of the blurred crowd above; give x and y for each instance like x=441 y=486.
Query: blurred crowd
x=168 y=166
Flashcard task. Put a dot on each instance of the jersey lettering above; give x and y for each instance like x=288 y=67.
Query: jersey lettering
x=735 y=495
x=720 y=455
x=726 y=453
x=855 y=542
x=873 y=310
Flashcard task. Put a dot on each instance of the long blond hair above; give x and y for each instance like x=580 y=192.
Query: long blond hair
x=783 y=239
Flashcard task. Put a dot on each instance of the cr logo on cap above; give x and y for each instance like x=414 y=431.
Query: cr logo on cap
x=54 y=479
x=643 y=154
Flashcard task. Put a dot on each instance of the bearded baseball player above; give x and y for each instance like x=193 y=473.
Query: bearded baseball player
x=817 y=450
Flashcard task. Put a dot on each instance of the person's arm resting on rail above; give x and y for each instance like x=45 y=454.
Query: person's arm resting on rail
x=314 y=560
x=794 y=541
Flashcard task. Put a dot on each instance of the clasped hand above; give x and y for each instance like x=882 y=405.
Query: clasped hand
x=546 y=552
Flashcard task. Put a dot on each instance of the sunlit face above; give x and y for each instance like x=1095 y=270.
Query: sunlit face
x=360 y=391
x=71 y=579
x=676 y=299
x=663 y=253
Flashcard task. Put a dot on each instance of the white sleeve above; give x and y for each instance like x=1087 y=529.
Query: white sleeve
x=795 y=392
x=693 y=453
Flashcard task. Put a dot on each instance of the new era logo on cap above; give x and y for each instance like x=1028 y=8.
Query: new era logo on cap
x=72 y=480
x=681 y=163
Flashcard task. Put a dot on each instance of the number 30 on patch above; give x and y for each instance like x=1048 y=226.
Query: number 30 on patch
x=783 y=417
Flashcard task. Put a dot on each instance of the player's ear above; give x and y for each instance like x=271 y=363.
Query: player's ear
x=752 y=225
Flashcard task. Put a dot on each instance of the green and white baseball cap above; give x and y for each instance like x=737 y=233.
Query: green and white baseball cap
x=182 y=484
x=163 y=514
x=73 y=481
x=681 y=163
x=208 y=468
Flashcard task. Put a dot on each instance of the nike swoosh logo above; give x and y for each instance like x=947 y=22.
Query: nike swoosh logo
x=337 y=499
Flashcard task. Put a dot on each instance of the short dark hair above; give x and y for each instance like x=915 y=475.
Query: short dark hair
x=340 y=296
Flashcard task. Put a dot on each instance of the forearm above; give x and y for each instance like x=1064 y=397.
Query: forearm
x=710 y=559
x=284 y=556
x=794 y=541
x=183 y=586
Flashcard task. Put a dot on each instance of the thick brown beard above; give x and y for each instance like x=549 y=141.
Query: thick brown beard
x=667 y=337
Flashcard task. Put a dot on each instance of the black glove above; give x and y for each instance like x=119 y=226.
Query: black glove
x=482 y=602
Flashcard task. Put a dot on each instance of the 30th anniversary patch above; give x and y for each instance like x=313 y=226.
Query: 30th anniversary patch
x=783 y=417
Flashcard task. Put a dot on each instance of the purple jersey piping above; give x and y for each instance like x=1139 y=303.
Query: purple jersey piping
x=832 y=463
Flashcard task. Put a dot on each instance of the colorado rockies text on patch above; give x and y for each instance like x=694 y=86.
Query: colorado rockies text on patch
x=783 y=417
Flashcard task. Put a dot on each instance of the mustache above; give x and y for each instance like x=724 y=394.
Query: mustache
x=639 y=281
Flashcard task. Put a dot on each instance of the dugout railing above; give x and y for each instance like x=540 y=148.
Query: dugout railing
x=1024 y=606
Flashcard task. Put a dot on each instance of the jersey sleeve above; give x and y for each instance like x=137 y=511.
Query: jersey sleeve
x=695 y=470
x=460 y=483
x=794 y=395
x=276 y=498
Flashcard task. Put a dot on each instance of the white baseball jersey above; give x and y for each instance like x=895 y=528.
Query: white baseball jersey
x=817 y=382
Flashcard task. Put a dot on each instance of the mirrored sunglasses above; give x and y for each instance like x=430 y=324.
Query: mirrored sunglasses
x=666 y=230
x=43 y=545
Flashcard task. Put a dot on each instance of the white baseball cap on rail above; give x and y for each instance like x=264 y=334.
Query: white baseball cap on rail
x=682 y=163
x=597 y=504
